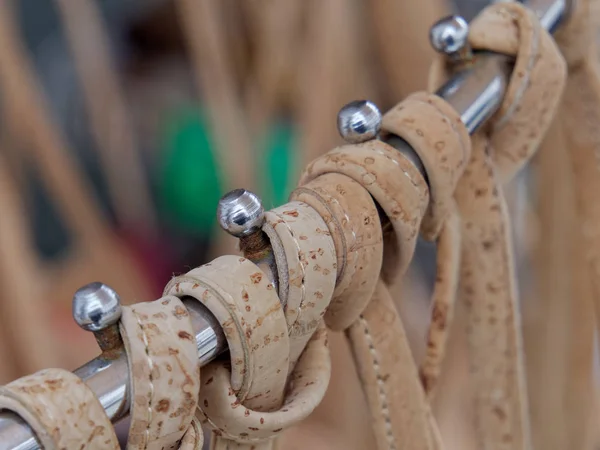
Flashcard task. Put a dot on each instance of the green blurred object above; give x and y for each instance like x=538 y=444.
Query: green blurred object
x=279 y=163
x=190 y=181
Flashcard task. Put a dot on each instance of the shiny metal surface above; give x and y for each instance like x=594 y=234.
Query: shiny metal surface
x=359 y=121
x=96 y=306
x=450 y=35
x=240 y=213
x=109 y=379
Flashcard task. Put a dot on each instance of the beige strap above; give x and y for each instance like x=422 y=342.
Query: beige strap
x=434 y=130
x=353 y=222
x=307 y=385
x=164 y=372
x=308 y=255
x=394 y=182
x=193 y=439
x=62 y=411
x=244 y=302
x=400 y=412
x=241 y=297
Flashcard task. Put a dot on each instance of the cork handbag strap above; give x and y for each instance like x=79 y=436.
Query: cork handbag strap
x=61 y=409
x=164 y=374
x=499 y=151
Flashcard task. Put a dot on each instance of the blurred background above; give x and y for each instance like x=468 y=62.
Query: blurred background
x=122 y=124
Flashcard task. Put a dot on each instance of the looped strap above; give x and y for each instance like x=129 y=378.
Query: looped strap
x=62 y=411
x=353 y=222
x=230 y=419
x=305 y=256
x=434 y=130
x=533 y=93
x=164 y=372
x=394 y=182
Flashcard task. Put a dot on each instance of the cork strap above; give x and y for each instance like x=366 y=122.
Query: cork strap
x=353 y=223
x=488 y=285
x=238 y=426
x=164 y=372
x=434 y=130
x=395 y=184
x=62 y=411
x=241 y=297
x=307 y=258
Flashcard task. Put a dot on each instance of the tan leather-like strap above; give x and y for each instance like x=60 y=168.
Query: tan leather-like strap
x=400 y=412
x=62 y=411
x=353 y=222
x=308 y=254
x=394 y=182
x=164 y=372
x=533 y=92
x=222 y=410
x=241 y=297
x=499 y=150
x=193 y=439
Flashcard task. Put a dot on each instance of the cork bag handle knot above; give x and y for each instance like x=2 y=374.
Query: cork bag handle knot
x=498 y=151
x=164 y=374
x=62 y=411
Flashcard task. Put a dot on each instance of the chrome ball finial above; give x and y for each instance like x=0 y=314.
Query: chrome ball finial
x=359 y=121
x=450 y=36
x=96 y=307
x=240 y=213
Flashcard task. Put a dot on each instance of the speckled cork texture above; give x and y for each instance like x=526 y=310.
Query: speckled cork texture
x=394 y=182
x=64 y=413
x=164 y=372
x=353 y=222
x=308 y=254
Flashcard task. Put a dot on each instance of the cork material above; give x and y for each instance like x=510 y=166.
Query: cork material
x=533 y=93
x=62 y=411
x=244 y=301
x=353 y=222
x=434 y=130
x=193 y=439
x=400 y=411
x=222 y=411
x=499 y=150
x=488 y=289
x=309 y=257
x=443 y=299
x=395 y=184
x=164 y=372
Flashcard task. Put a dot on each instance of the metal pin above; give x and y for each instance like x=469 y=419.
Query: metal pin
x=359 y=121
x=97 y=308
x=450 y=36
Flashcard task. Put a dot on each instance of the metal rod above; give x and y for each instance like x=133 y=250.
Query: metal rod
x=475 y=93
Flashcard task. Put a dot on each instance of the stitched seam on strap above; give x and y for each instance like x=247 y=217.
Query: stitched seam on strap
x=385 y=410
x=302 y=269
x=151 y=366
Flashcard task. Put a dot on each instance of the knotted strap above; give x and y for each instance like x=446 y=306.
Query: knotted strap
x=353 y=222
x=499 y=150
x=307 y=265
x=241 y=297
x=444 y=148
x=164 y=373
x=62 y=411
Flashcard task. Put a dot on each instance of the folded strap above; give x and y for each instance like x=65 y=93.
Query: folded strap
x=62 y=411
x=307 y=254
x=244 y=301
x=353 y=222
x=164 y=372
x=394 y=182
